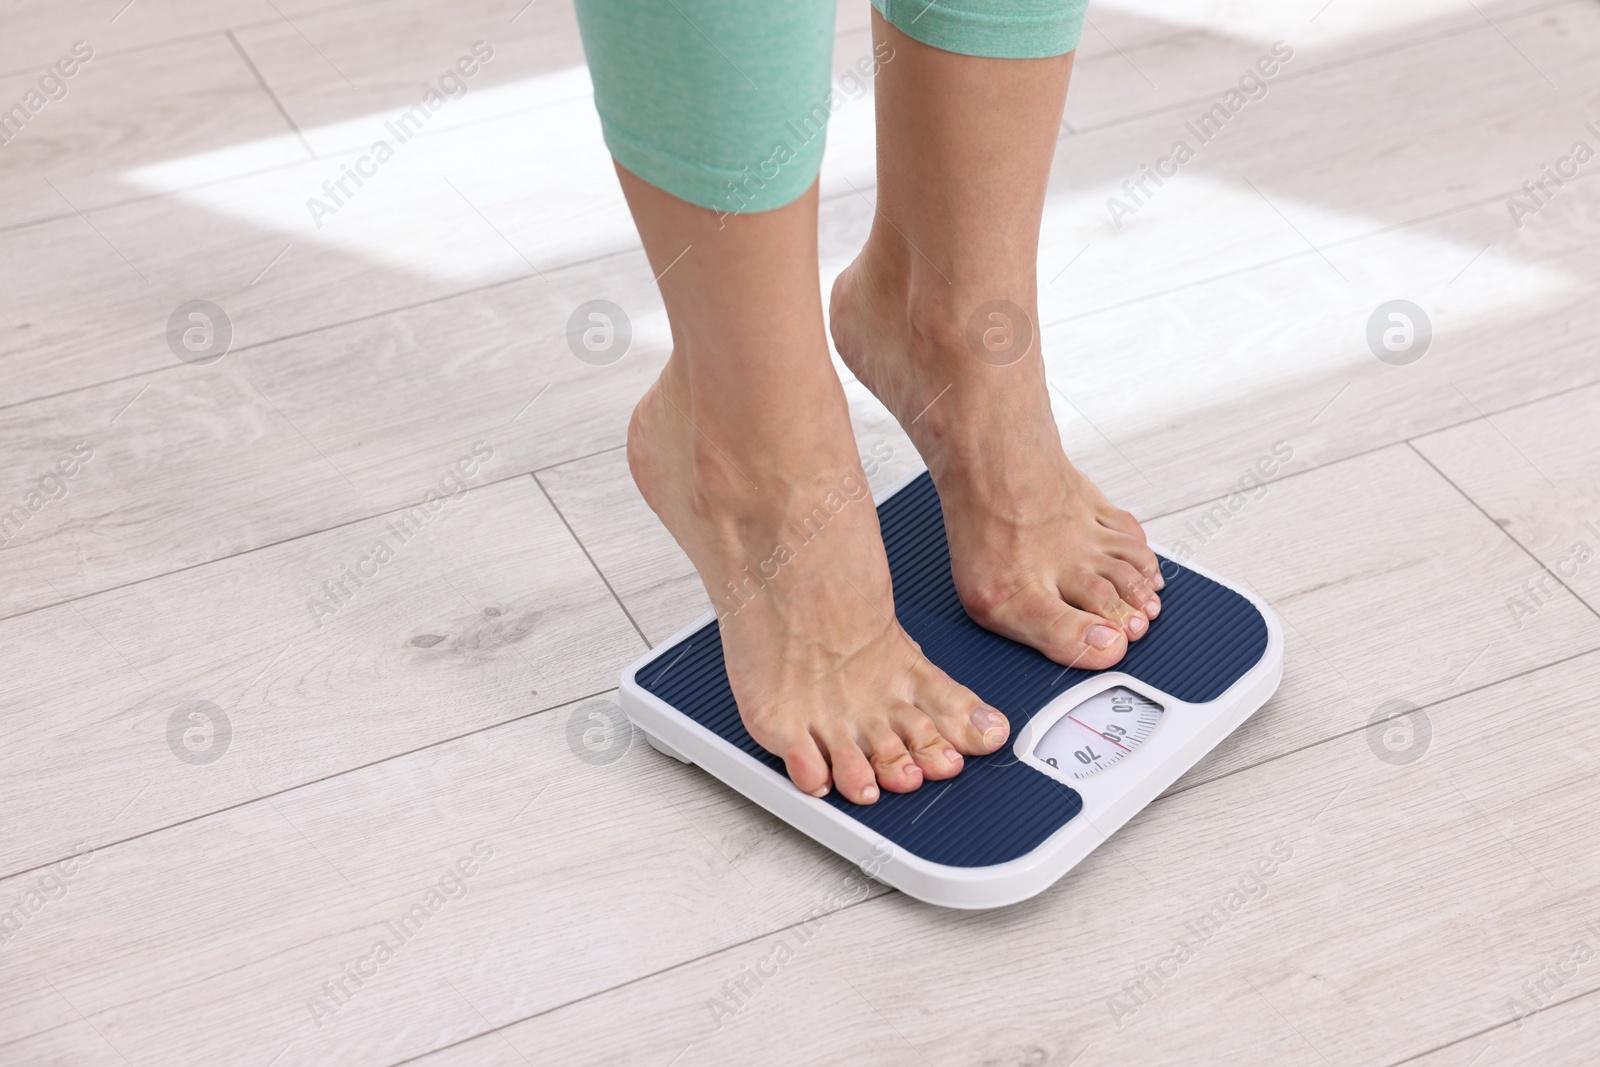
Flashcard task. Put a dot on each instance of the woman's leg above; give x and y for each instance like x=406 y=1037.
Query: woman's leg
x=940 y=309
x=744 y=448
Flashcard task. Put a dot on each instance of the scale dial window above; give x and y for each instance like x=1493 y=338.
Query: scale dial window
x=1099 y=732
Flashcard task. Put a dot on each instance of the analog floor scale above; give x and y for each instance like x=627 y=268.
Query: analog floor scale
x=1088 y=749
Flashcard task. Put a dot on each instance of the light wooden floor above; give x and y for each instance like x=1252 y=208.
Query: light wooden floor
x=1434 y=538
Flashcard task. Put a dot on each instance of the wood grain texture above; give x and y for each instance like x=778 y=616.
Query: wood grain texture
x=1145 y=56
x=391 y=55
x=121 y=111
x=1414 y=903
x=601 y=873
x=200 y=463
x=632 y=909
x=1535 y=469
x=484 y=610
x=35 y=29
x=1562 y=1035
x=95 y=305
x=1350 y=554
x=1353 y=556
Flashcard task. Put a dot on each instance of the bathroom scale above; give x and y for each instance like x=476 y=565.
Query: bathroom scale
x=1088 y=749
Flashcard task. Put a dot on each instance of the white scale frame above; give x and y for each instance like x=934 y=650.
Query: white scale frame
x=1184 y=734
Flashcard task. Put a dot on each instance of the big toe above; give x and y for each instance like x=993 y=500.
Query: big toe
x=1039 y=617
x=962 y=720
x=1111 y=591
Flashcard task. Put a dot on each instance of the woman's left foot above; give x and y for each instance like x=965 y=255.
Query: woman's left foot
x=1038 y=553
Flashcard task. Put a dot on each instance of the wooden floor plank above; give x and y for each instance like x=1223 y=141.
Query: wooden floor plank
x=120 y=111
x=1351 y=555
x=554 y=207
x=260 y=905
x=461 y=696
x=37 y=29
x=391 y=59
x=1536 y=470
x=1437 y=887
x=274 y=443
x=1141 y=56
x=320 y=654
x=1564 y=1034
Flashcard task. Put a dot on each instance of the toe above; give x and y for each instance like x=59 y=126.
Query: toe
x=1095 y=594
x=1131 y=548
x=936 y=756
x=1122 y=521
x=807 y=769
x=1092 y=643
x=896 y=770
x=1067 y=634
x=853 y=775
x=963 y=721
x=1135 y=590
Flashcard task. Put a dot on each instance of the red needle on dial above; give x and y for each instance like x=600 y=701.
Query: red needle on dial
x=1098 y=734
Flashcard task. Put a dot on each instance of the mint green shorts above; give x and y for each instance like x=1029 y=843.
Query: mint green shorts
x=725 y=103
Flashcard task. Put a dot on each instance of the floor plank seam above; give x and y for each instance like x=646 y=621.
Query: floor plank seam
x=612 y=448
x=879 y=892
x=636 y=250
x=297 y=335
x=1496 y=1027
x=585 y=548
x=1365 y=452
x=1502 y=530
x=1335 y=64
x=513 y=476
x=1365 y=726
x=164 y=42
x=316 y=781
x=353 y=150
x=778 y=930
x=255 y=72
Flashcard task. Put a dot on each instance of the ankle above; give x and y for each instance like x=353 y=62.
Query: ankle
x=992 y=315
x=752 y=456
x=986 y=323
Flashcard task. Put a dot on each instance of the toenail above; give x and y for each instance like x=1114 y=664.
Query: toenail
x=995 y=738
x=870 y=793
x=1161 y=580
x=1101 y=636
x=952 y=755
x=821 y=792
x=986 y=719
x=1137 y=625
x=1152 y=607
x=913 y=770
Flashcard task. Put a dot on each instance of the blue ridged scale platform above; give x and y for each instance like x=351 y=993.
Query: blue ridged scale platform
x=1206 y=638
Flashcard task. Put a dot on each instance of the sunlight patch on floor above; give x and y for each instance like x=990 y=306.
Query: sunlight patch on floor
x=1309 y=23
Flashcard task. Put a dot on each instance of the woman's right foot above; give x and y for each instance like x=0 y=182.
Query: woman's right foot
x=1037 y=552
x=785 y=537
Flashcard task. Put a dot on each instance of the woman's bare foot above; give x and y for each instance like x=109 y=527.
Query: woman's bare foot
x=1038 y=553
x=785 y=537
x=965 y=145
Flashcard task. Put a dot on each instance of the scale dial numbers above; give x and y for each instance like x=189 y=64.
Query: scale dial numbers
x=1099 y=732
